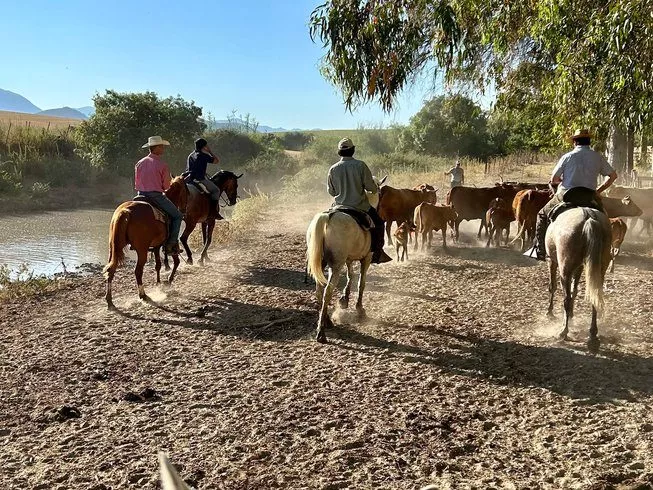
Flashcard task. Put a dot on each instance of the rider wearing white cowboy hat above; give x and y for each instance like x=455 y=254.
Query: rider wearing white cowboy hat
x=579 y=169
x=152 y=179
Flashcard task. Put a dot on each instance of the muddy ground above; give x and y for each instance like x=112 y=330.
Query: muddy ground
x=456 y=380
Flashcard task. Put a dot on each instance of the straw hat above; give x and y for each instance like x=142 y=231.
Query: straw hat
x=345 y=144
x=155 y=141
x=581 y=133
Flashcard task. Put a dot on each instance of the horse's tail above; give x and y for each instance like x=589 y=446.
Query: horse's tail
x=593 y=262
x=117 y=241
x=315 y=252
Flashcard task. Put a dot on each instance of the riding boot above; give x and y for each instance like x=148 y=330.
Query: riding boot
x=378 y=238
x=541 y=226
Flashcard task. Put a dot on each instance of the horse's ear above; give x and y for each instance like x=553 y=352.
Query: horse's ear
x=172 y=175
x=239 y=176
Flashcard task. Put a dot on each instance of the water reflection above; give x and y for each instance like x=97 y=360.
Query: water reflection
x=42 y=241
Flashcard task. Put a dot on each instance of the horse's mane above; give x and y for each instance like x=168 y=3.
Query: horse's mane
x=222 y=175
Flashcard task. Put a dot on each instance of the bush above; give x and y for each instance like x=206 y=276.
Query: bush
x=40 y=189
x=234 y=147
x=295 y=140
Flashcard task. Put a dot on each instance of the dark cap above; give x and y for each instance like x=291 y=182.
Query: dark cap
x=200 y=143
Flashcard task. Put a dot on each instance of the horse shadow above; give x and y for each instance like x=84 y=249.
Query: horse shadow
x=607 y=378
x=276 y=277
x=225 y=316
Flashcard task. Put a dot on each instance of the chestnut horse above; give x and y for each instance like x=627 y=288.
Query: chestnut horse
x=198 y=211
x=134 y=223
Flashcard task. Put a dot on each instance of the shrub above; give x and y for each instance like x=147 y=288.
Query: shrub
x=40 y=189
x=295 y=140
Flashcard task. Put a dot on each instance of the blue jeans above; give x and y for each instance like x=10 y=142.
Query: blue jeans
x=212 y=188
x=170 y=209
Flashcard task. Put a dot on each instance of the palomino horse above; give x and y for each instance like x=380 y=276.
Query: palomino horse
x=334 y=241
x=134 y=223
x=198 y=211
x=578 y=239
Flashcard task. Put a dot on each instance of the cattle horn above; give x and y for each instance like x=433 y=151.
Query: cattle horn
x=239 y=176
x=382 y=181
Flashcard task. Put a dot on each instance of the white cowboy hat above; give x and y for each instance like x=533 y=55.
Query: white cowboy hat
x=155 y=141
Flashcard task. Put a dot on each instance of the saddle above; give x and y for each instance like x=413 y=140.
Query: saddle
x=195 y=183
x=361 y=217
x=159 y=214
x=577 y=197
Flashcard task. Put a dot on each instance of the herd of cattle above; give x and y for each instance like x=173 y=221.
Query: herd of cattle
x=416 y=210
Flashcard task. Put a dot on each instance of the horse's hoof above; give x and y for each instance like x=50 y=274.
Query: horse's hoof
x=343 y=303
x=321 y=338
x=550 y=315
x=593 y=345
x=562 y=336
x=111 y=307
x=361 y=313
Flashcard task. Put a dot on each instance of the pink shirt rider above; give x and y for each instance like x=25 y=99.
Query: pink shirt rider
x=151 y=174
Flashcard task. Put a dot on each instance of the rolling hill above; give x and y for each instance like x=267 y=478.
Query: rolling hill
x=10 y=101
x=67 y=112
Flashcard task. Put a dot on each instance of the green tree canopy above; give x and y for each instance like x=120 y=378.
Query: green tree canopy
x=113 y=136
x=448 y=126
x=599 y=54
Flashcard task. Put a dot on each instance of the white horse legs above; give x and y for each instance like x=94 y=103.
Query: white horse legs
x=365 y=265
x=327 y=293
x=344 y=299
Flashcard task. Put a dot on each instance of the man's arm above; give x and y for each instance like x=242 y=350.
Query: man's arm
x=611 y=178
x=165 y=177
x=368 y=180
x=558 y=170
x=330 y=188
x=214 y=158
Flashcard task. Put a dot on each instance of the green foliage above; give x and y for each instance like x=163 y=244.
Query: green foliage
x=24 y=283
x=599 y=56
x=40 y=189
x=448 y=126
x=368 y=141
x=295 y=140
x=113 y=136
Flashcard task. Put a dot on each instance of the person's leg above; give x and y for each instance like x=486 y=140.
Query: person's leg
x=378 y=239
x=541 y=226
x=175 y=215
x=215 y=192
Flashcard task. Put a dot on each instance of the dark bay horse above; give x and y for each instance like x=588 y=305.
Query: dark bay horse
x=198 y=211
x=134 y=223
x=579 y=239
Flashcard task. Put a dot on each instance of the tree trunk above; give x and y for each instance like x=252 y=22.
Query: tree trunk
x=618 y=150
x=630 y=160
x=643 y=151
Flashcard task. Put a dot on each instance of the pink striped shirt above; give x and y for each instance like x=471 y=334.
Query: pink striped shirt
x=151 y=174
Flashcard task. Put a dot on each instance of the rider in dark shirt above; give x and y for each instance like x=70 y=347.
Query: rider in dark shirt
x=196 y=167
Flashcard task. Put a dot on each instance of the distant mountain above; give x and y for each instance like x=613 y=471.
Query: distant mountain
x=9 y=101
x=240 y=124
x=67 y=112
x=88 y=110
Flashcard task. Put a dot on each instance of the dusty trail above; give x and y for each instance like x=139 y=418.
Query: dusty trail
x=455 y=381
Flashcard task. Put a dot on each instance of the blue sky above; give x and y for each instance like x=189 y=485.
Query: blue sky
x=253 y=56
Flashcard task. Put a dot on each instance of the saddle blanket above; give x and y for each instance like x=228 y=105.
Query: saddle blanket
x=158 y=214
x=361 y=217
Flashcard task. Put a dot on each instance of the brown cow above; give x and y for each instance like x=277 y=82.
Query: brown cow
x=643 y=198
x=399 y=204
x=498 y=217
x=619 y=230
x=473 y=202
x=401 y=239
x=625 y=207
x=429 y=217
x=424 y=187
x=526 y=204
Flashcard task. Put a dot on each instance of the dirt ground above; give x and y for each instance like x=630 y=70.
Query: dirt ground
x=456 y=380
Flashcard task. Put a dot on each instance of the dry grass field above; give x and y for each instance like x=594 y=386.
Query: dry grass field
x=36 y=120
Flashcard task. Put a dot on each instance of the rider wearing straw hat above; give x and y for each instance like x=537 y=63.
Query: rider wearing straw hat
x=347 y=182
x=152 y=179
x=578 y=170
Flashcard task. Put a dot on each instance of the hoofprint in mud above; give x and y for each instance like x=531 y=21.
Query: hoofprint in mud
x=456 y=380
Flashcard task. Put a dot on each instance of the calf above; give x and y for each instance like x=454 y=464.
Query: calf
x=433 y=217
x=401 y=239
x=499 y=216
x=643 y=198
x=619 y=230
x=399 y=204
